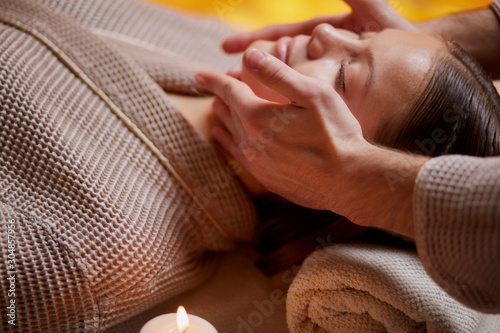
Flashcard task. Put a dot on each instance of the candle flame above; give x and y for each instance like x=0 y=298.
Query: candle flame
x=182 y=319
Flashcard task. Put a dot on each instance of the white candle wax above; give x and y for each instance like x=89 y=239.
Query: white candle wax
x=167 y=323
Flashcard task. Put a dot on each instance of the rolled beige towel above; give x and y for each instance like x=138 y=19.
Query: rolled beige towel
x=375 y=288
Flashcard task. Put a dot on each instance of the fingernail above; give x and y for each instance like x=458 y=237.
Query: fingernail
x=200 y=80
x=255 y=58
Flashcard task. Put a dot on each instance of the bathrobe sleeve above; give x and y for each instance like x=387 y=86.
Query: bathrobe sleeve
x=457 y=227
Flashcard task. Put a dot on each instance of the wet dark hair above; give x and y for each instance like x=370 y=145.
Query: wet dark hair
x=458 y=113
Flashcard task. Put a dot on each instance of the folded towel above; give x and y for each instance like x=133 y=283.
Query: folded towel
x=375 y=288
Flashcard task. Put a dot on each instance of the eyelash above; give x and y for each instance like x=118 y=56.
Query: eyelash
x=341 y=76
x=343 y=64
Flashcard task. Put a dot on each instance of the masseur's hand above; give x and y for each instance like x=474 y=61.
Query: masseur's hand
x=299 y=150
x=369 y=15
x=312 y=151
x=477 y=31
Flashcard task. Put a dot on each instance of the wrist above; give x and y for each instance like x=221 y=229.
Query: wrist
x=477 y=31
x=380 y=193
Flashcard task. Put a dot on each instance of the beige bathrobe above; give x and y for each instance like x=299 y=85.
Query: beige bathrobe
x=110 y=202
x=457 y=225
x=114 y=203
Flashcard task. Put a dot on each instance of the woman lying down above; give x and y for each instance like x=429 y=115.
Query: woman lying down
x=409 y=91
x=116 y=202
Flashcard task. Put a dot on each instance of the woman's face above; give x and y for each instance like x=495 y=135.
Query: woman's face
x=379 y=75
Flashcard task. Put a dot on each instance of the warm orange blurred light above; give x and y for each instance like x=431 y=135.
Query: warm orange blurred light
x=258 y=13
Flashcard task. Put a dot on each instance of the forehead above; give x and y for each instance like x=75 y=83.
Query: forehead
x=403 y=63
x=406 y=59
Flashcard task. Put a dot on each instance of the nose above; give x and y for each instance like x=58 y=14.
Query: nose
x=326 y=39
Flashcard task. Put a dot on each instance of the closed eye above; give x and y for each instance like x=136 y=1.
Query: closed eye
x=362 y=34
x=342 y=76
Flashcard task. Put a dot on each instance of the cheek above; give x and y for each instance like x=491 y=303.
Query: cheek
x=368 y=117
x=261 y=90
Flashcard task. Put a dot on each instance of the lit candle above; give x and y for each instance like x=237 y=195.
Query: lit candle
x=178 y=323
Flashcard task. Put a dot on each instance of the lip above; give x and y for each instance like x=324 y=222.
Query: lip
x=283 y=48
x=289 y=50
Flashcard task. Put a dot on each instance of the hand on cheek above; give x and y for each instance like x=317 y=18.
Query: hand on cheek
x=298 y=149
x=257 y=87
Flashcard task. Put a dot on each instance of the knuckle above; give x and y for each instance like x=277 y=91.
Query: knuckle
x=324 y=95
x=248 y=151
x=318 y=93
x=227 y=90
x=310 y=93
x=277 y=75
x=250 y=125
x=251 y=120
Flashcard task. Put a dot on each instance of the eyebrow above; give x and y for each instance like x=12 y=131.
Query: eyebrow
x=371 y=70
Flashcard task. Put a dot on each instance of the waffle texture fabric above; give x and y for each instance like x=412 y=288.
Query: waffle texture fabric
x=361 y=287
x=457 y=227
x=110 y=202
x=238 y=298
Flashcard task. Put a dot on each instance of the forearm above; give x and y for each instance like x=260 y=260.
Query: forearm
x=382 y=184
x=478 y=31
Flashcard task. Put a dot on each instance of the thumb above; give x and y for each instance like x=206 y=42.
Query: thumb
x=276 y=75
